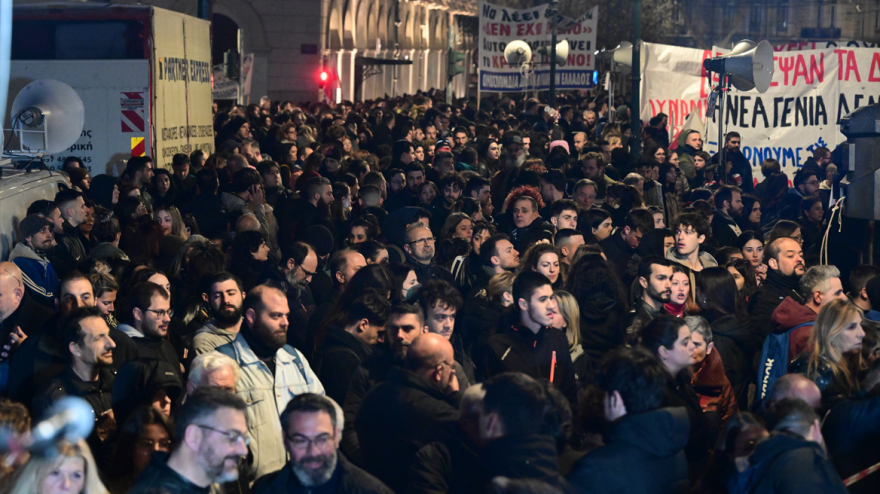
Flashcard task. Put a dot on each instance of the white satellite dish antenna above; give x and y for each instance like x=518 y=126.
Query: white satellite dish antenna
x=518 y=53
x=47 y=117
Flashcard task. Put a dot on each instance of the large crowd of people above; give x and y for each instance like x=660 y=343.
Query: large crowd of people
x=405 y=295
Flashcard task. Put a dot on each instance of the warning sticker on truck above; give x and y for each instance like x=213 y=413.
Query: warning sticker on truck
x=132 y=112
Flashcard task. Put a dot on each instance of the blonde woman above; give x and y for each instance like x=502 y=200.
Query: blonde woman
x=835 y=358
x=73 y=470
x=172 y=222
x=568 y=319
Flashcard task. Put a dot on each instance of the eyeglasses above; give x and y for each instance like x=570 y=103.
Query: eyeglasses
x=307 y=272
x=302 y=442
x=151 y=444
x=161 y=313
x=423 y=241
x=232 y=436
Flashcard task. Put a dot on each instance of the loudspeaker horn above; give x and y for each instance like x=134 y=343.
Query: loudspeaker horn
x=52 y=114
x=623 y=54
x=561 y=52
x=748 y=65
x=518 y=53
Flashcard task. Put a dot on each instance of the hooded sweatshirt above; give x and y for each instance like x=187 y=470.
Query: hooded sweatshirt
x=686 y=155
x=789 y=314
x=643 y=453
x=39 y=276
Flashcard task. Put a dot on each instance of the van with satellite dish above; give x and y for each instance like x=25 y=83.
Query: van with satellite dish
x=143 y=75
x=18 y=190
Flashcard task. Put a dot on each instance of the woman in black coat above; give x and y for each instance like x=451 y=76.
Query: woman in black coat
x=602 y=301
x=732 y=334
x=669 y=339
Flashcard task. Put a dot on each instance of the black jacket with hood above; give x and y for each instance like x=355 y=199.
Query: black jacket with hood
x=643 y=454
x=788 y=464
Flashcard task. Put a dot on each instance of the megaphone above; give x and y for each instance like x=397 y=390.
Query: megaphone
x=47 y=116
x=623 y=54
x=518 y=53
x=561 y=52
x=749 y=65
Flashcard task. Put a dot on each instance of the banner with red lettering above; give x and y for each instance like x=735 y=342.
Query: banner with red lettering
x=811 y=91
x=501 y=25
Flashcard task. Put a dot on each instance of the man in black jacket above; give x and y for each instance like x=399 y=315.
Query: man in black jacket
x=728 y=204
x=344 y=349
x=792 y=459
x=526 y=343
x=39 y=358
x=70 y=251
x=311 y=437
x=511 y=428
x=86 y=340
x=622 y=244
x=785 y=262
x=405 y=323
x=150 y=315
x=655 y=280
x=295 y=216
x=419 y=248
x=528 y=227
x=415 y=406
x=644 y=444
x=211 y=437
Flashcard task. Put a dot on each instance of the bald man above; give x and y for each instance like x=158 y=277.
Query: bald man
x=416 y=406
x=796 y=386
x=19 y=315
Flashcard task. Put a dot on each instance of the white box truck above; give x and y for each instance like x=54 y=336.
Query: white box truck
x=142 y=72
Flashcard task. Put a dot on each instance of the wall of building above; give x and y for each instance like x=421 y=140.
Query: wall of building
x=289 y=38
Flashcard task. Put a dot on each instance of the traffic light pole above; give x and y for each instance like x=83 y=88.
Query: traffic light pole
x=635 y=117
x=554 y=4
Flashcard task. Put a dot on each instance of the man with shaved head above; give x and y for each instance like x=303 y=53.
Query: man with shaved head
x=417 y=405
x=20 y=316
x=797 y=386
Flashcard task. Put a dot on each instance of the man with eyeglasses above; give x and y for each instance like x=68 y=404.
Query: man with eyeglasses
x=417 y=405
x=211 y=437
x=312 y=426
x=419 y=247
x=150 y=315
x=272 y=374
x=225 y=297
x=806 y=186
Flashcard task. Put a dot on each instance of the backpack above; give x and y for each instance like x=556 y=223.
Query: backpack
x=774 y=361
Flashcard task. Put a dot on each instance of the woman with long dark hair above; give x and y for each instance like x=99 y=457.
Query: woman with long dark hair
x=248 y=257
x=716 y=296
x=603 y=304
x=772 y=200
x=146 y=431
x=669 y=339
x=750 y=219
